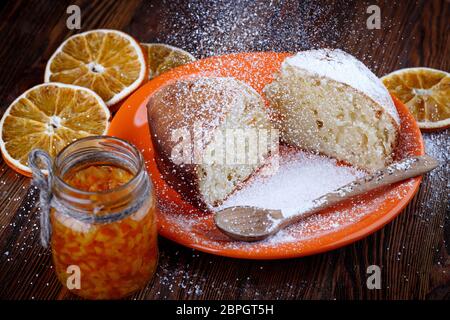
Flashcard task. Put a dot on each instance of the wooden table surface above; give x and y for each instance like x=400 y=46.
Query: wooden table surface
x=412 y=251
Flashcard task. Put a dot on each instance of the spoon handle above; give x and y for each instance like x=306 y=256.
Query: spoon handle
x=398 y=171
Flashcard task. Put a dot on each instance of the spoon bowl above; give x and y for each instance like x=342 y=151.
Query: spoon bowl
x=248 y=223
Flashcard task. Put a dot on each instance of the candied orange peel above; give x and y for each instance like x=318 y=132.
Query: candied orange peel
x=114 y=258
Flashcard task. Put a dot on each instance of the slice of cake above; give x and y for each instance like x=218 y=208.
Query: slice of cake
x=203 y=132
x=329 y=102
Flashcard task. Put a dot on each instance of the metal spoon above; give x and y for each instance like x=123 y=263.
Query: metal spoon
x=246 y=223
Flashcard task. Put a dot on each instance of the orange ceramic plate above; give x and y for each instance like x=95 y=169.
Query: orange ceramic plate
x=329 y=230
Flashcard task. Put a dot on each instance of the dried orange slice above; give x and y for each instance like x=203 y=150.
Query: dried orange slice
x=49 y=116
x=425 y=91
x=162 y=57
x=109 y=62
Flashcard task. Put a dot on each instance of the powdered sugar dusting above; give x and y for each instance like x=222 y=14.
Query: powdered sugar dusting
x=221 y=27
x=196 y=229
x=208 y=28
x=199 y=229
x=301 y=178
x=343 y=67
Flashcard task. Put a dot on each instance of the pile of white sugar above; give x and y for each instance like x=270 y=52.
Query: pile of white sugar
x=301 y=177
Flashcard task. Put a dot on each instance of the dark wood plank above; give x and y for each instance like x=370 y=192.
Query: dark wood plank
x=412 y=250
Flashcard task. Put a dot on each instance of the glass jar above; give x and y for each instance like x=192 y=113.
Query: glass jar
x=103 y=218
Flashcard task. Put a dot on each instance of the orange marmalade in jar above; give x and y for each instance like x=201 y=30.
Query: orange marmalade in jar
x=103 y=222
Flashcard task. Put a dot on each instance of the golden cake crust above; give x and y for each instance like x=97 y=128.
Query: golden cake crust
x=200 y=106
